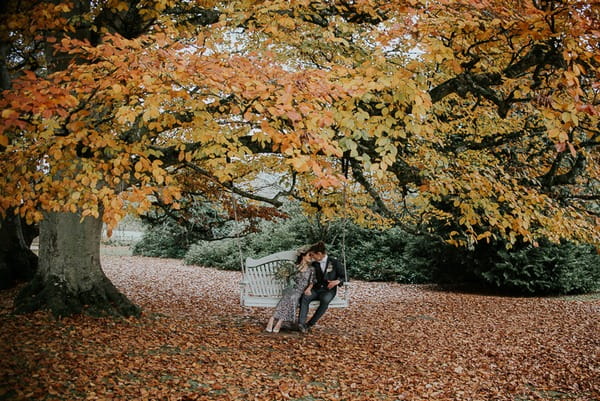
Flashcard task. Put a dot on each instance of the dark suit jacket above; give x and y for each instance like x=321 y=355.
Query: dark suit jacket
x=333 y=271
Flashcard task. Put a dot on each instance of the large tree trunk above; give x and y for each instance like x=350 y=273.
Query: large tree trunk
x=70 y=279
x=17 y=262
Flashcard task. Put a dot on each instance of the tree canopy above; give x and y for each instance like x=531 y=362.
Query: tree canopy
x=476 y=117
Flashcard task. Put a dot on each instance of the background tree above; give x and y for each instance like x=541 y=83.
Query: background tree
x=477 y=117
x=17 y=262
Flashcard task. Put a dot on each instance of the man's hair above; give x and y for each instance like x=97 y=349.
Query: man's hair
x=319 y=247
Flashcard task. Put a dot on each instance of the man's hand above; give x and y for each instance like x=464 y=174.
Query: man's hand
x=332 y=283
x=307 y=291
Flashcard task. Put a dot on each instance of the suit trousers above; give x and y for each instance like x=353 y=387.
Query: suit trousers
x=324 y=296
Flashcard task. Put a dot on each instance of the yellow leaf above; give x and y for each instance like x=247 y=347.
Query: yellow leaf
x=6 y=113
x=150 y=113
x=122 y=6
x=484 y=235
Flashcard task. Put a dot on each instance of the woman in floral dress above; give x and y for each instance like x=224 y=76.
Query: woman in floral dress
x=286 y=309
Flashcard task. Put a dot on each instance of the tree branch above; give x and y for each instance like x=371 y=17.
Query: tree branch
x=362 y=180
x=550 y=178
x=480 y=84
x=273 y=201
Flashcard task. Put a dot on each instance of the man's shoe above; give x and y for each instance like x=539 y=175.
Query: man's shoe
x=302 y=328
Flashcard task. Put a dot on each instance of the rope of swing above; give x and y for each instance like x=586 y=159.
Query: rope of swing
x=345 y=165
x=237 y=233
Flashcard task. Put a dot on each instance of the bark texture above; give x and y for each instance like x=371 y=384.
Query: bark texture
x=70 y=279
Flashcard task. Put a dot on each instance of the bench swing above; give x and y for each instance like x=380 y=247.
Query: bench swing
x=260 y=285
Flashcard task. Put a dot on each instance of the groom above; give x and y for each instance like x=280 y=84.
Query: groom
x=328 y=276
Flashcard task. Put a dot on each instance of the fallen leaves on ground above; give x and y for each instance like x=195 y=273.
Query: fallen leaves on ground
x=395 y=342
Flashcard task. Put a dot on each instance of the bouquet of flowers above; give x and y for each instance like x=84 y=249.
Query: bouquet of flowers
x=286 y=272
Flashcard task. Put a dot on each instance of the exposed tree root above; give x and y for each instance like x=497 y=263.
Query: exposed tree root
x=104 y=299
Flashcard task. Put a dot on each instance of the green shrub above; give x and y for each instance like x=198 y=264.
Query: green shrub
x=221 y=254
x=564 y=268
x=166 y=240
x=370 y=255
x=272 y=236
x=278 y=235
x=171 y=234
x=434 y=261
x=375 y=255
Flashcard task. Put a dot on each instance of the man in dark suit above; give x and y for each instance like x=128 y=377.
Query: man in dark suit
x=329 y=274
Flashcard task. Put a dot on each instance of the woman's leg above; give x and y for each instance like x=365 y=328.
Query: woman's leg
x=277 y=326
x=269 y=327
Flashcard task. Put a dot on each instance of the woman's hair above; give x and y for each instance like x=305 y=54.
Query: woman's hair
x=300 y=256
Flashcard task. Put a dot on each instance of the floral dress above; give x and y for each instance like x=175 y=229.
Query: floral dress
x=288 y=304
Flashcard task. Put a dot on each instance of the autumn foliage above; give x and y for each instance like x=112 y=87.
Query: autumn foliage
x=477 y=116
x=394 y=342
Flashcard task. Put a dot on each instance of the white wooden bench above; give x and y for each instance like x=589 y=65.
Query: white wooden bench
x=261 y=287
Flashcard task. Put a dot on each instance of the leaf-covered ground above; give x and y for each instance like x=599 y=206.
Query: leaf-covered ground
x=395 y=342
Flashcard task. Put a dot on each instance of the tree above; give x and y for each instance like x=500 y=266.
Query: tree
x=517 y=99
x=17 y=262
x=479 y=117
x=63 y=166
x=120 y=106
